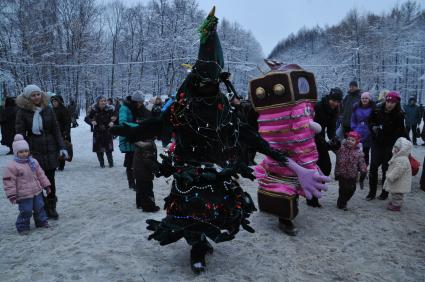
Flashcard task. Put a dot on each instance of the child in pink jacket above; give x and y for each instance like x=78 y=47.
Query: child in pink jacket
x=349 y=162
x=23 y=183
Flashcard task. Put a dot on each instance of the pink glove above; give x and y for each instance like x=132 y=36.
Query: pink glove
x=310 y=180
x=12 y=199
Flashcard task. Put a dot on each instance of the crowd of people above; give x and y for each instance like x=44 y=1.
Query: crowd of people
x=360 y=131
x=364 y=135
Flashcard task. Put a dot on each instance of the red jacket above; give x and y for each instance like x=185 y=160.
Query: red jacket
x=349 y=161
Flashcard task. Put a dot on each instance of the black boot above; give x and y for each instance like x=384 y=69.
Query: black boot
x=314 y=202
x=130 y=179
x=373 y=184
x=50 y=206
x=383 y=196
x=101 y=160
x=197 y=256
x=288 y=227
x=110 y=159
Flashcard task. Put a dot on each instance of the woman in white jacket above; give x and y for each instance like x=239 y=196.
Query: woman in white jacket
x=399 y=174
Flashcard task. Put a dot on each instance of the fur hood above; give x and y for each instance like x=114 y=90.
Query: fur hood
x=405 y=147
x=26 y=104
x=95 y=107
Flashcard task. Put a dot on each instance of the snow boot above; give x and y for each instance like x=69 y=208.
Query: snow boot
x=50 y=206
x=101 y=160
x=110 y=159
x=197 y=256
x=383 y=196
x=392 y=207
x=288 y=227
x=313 y=202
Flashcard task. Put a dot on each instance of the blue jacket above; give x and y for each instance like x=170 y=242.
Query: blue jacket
x=412 y=115
x=125 y=116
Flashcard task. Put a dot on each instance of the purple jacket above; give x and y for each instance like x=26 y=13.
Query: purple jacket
x=359 y=123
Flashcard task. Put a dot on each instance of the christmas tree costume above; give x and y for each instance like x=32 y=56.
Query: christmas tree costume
x=284 y=99
x=205 y=202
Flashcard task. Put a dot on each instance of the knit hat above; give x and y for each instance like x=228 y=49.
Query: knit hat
x=353 y=83
x=19 y=144
x=393 y=96
x=100 y=97
x=355 y=135
x=31 y=88
x=138 y=96
x=366 y=95
x=335 y=94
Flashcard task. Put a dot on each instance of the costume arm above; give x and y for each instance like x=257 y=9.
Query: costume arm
x=149 y=128
x=250 y=137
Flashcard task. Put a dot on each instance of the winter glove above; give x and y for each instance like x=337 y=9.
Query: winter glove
x=334 y=144
x=47 y=189
x=12 y=199
x=64 y=153
x=312 y=183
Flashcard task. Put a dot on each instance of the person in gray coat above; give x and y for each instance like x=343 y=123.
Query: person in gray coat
x=352 y=97
x=412 y=118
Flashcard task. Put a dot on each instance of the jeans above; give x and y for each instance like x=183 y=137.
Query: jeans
x=26 y=208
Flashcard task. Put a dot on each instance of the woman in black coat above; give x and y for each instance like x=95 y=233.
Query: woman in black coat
x=36 y=121
x=326 y=113
x=63 y=117
x=102 y=117
x=7 y=121
x=386 y=124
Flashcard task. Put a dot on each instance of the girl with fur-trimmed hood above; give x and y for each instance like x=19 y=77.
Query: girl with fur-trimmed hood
x=399 y=174
x=36 y=121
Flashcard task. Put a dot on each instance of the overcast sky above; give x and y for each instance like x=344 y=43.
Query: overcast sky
x=272 y=20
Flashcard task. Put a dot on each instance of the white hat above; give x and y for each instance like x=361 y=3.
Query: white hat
x=31 y=88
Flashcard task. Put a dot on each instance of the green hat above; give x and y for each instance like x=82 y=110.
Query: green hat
x=210 y=56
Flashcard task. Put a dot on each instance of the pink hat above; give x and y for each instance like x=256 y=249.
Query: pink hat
x=366 y=95
x=19 y=144
x=393 y=96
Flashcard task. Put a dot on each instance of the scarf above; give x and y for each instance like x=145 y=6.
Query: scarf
x=37 y=121
x=29 y=160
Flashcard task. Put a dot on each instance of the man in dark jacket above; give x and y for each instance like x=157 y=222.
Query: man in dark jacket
x=63 y=118
x=413 y=118
x=7 y=121
x=352 y=97
x=326 y=114
x=386 y=124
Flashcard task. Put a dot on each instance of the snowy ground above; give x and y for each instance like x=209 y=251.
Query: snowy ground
x=101 y=236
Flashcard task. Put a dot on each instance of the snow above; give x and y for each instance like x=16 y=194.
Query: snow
x=101 y=236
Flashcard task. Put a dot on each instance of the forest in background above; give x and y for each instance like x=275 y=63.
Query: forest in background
x=81 y=49
x=384 y=51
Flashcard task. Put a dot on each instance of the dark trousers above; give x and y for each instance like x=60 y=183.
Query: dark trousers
x=380 y=155
x=413 y=129
x=61 y=164
x=102 y=161
x=51 y=176
x=128 y=164
x=347 y=187
x=144 y=193
x=324 y=161
x=26 y=209
x=366 y=152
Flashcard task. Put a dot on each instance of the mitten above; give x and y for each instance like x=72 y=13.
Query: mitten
x=12 y=199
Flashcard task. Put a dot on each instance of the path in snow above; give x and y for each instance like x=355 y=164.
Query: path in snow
x=101 y=236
